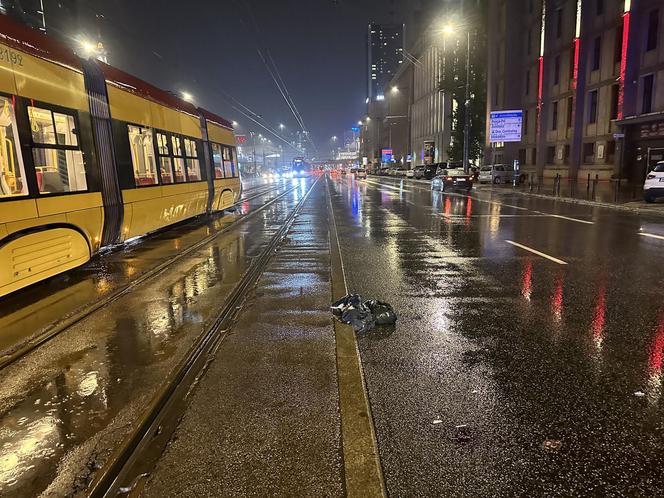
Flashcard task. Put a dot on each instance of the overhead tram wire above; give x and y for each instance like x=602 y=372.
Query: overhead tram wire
x=278 y=80
x=169 y=64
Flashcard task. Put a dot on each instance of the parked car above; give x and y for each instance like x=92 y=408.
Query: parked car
x=430 y=170
x=410 y=173
x=360 y=173
x=496 y=173
x=452 y=179
x=654 y=184
x=418 y=172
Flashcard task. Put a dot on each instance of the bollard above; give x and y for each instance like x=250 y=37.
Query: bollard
x=530 y=181
x=615 y=192
x=588 y=187
x=595 y=186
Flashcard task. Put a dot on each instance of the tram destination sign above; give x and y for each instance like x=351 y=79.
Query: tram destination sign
x=505 y=126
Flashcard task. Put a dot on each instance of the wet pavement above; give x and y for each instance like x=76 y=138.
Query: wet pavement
x=527 y=359
x=66 y=405
x=509 y=373
x=264 y=419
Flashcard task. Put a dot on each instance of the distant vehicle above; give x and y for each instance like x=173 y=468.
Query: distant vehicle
x=410 y=173
x=430 y=170
x=360 y=173
x=452 y=179
x=496 y=173
x=654 y=184
x=418 y=172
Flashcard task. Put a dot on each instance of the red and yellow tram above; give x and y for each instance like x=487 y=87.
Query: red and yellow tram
x=91 y=156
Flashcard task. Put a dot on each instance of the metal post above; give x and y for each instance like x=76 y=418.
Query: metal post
x=466 y=124
x=595 y=186
x=588 y=187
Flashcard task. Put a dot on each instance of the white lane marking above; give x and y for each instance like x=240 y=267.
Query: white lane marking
x=495 y=203
x=651 y=235
x=535 y=251
x=567 y=218
x=388 y=186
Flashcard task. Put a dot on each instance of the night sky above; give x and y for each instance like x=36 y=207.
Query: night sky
x=208 y=47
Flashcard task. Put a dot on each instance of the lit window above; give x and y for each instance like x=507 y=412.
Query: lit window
x=12 y=171
x=191 y=160
x=58 y=160
x=165 y=163
x=229 y=166
x=178 y=160
x=216 y=159
x=142 y=156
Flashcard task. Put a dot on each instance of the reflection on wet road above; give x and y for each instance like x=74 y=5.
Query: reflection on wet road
x=509 y=372
x=67 y=404
x=61 y=297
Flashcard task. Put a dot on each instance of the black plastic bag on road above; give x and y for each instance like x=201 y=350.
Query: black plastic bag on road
x=383 y=313
x=363 y=316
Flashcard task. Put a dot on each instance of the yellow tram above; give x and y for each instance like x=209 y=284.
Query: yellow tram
x=91 y=156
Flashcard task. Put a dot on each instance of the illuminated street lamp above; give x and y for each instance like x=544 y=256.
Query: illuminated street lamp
x=334 y=138
x=235 y=124
x=187 y=96
x=281 y=126
x=395 y=89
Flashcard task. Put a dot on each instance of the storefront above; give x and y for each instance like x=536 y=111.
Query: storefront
x=644 y=145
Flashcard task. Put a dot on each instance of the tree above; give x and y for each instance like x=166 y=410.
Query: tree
x=453 y=84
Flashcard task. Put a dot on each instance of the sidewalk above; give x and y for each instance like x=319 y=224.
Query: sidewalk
x=629 y=196
x=264 y=419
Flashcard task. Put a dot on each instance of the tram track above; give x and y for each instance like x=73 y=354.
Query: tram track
x=60 y=326
x=132 y=461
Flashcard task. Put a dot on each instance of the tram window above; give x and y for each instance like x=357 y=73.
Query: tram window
x=216 y=159
x=236 y=166
x=142 y=156
x=193 y=164
x=178 y=160
x=58 y=160
x=165 y=163
x=12 y=171
x=228 y=163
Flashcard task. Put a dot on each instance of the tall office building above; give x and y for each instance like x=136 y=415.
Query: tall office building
x=385 y=55
x=59 y=18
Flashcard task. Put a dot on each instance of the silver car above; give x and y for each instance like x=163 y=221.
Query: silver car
x=496 y=173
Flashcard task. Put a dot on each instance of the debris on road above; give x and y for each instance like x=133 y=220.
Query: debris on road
x=552 y=445
x=461 y=433
x=363 y=316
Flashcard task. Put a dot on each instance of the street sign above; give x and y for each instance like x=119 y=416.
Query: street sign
x=387 y=155
x=505 y=126
x=618 y=136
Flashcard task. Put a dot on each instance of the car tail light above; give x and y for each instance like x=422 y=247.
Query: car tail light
x=650 y=177
x=449 y=178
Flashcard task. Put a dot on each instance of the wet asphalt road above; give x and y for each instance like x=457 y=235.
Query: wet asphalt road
x=553 y=371
x=527 y=358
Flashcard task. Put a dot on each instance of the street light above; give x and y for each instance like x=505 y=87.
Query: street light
x=395 y=89
x=235 y=124
x=449 y=29
x=281 y=126
x=187 y=96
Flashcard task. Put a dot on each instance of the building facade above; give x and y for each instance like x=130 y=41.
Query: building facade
x=585 y=73
x=384 y=56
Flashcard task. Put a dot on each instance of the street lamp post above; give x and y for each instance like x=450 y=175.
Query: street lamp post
x=448 y=30
x=466 y=124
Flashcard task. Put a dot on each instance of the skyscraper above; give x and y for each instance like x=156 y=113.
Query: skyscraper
x=385 y=54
